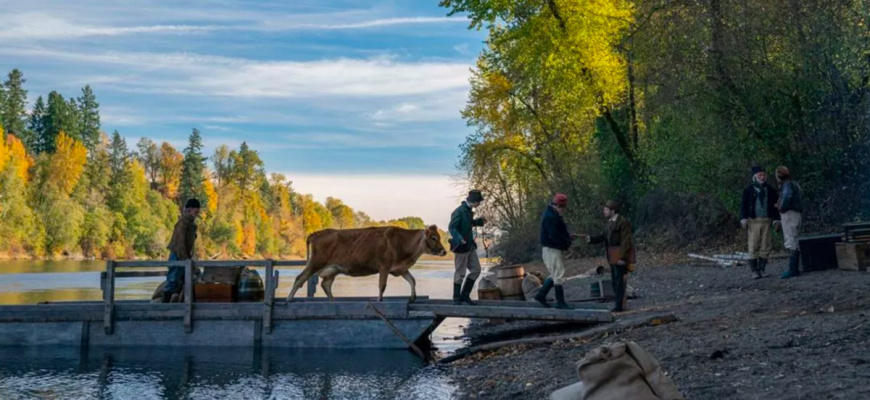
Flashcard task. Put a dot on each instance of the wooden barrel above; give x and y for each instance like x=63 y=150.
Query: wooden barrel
x=510 y=281
x=488 y=294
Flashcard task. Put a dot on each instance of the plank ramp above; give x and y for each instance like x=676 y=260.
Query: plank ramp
x=511 y=310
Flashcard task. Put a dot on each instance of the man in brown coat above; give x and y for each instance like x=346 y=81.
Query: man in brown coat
x=620 y=251
x=181 y=247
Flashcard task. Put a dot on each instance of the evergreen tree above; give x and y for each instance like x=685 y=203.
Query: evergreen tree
x=51 y=122
x=33 y=139
x=120 y=180
x=89 y=118
x=192 y=170
x=14 y=103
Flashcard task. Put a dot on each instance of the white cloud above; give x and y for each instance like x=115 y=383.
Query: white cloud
x=441 y=106
x=42 y=26
x=385 y=197
x=195 y=74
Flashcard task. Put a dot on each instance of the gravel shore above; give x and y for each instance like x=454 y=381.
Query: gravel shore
x=736 y=338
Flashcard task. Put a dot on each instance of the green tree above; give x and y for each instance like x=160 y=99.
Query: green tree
x=14 y=106
x=35 y=140
x=89 y=115
x=192 y=169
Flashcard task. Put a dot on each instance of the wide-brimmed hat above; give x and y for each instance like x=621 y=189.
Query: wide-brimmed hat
x=475 y=196
x=612 y=205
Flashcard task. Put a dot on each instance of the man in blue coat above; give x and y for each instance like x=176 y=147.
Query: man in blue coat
x=555 y=241
x=464 y=248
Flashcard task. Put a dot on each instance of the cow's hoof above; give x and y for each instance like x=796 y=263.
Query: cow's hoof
x=412 y=299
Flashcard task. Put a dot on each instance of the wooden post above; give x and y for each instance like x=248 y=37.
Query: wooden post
x=188 y=296
x=269 y=296
x=109 y=297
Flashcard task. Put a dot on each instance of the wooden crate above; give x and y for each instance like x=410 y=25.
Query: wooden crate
x=853 y=256
x=210 y=292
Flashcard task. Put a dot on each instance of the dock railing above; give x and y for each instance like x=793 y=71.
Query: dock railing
x=270 y=283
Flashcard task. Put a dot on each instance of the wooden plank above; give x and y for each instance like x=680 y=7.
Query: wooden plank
x=290 y=263
x=544 y=314
x=268 y=298
x=148 y=264
x=341 y=299
x=134 y=274
x=109 y=296
x=231 y=263
x=516 y=303
x=188 y=296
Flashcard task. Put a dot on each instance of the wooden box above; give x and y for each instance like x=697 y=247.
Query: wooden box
x=209 y=292
x=853 y=256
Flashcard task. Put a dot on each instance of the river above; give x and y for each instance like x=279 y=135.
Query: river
x=166 y=373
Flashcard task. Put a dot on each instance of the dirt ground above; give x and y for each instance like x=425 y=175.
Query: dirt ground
x=737 y=338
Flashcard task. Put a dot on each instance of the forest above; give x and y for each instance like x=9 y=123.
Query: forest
x=664 y=106
x=69 y=189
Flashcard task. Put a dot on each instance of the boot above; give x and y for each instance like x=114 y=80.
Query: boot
x=753 y=266
x=794 y=258
x=541 y=297
x=457 y=287
x=560 y=299
x=762 y=267
x=167 y=296
x=466 y=291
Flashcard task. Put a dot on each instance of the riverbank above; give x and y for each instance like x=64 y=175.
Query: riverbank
x=736 y=338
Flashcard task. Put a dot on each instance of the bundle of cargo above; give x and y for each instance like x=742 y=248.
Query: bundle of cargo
x=853 y=254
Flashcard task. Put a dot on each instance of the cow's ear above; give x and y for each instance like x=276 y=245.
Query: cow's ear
x=433 y=228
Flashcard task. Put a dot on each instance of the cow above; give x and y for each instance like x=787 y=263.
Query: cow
x=367 y=251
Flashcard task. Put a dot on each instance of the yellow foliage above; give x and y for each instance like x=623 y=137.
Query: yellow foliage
x=249 y=240
x=4 y=152
x=18 y=157
x=210 y=194
x=67 y=163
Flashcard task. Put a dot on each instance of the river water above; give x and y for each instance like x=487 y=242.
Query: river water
x=164 y=373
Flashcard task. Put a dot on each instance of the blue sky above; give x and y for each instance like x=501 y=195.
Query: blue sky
x=356 y=99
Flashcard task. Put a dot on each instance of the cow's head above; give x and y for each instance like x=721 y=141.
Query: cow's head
x=433 y=242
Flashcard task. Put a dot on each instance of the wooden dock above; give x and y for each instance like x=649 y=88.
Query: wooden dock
x=350 y=322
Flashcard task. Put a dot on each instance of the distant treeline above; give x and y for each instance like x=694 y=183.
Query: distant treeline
x=67 y=188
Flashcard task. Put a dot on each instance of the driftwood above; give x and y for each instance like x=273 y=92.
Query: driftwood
x=616 y=327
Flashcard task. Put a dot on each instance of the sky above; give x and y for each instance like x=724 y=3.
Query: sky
x=358 y=100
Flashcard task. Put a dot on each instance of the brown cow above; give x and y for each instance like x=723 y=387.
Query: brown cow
x=368 y=251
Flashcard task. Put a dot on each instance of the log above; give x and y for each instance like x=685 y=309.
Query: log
x=398 y=333
x=614 y=328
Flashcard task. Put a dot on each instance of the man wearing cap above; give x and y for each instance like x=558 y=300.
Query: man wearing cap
x=181 y=247
x=555 y=241
x=620 y=251
x=757 y=213
x=790 y=208
x=464 y=248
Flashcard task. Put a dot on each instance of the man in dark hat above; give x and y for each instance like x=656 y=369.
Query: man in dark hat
x=181 y=247
x=757 y=213
x=464 y=248
x=620 y=251
x=555 y=241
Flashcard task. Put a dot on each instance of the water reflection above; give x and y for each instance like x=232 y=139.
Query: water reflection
x=63 y=373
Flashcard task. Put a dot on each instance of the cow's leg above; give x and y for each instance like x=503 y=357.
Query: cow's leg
x=382 y=283
x=410 y=278
x=300 y=280
x=328 y=276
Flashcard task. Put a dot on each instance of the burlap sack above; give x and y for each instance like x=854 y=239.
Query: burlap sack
x=531 y=286
x=619 y=371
